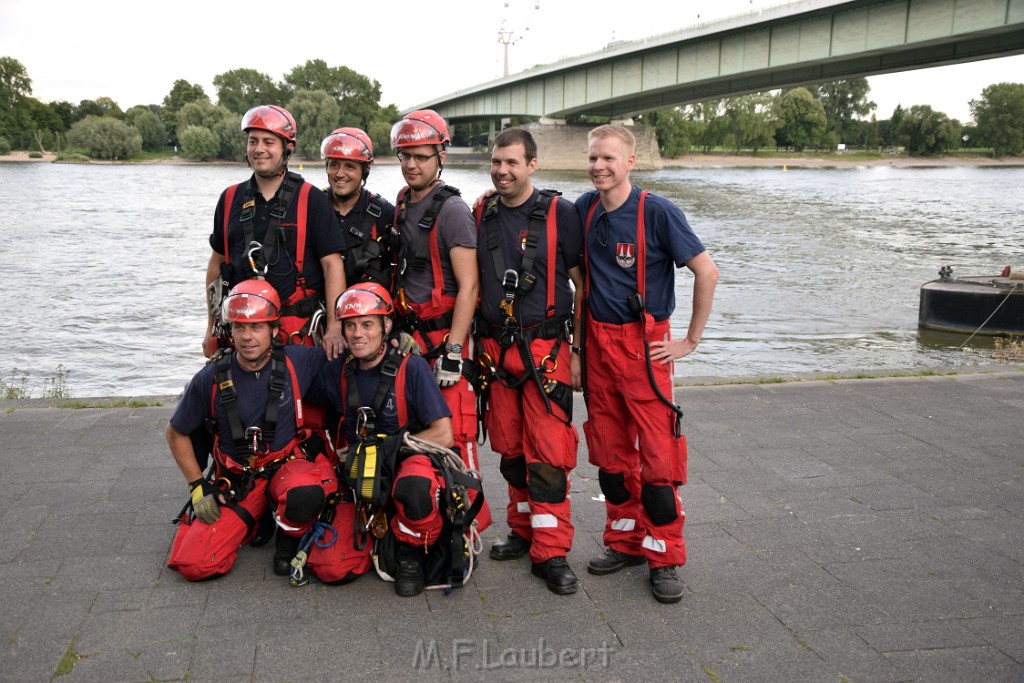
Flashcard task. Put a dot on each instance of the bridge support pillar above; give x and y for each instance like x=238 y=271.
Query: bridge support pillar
x=563 y=147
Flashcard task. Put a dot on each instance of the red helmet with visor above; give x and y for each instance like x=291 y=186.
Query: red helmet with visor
x=421 y=127
x=271 y=118
x=347 y=143
x=365 y=298
x=252 y=301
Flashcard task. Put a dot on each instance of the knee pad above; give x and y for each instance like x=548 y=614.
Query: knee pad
x=613 y=486
x=659 y=500
x=414 y=495
x=514 y=471
x=302 y=504
x=545 y=483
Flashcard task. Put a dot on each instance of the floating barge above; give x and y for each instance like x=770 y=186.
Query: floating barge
x=981 y=304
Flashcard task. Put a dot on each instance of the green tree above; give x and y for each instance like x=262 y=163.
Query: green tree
x=357 y=96
x=379 y=129
x=844 y=101
x=676 y=133
x=802 y=120
x=15 y=89
x=706 y=114
x=926 y=131
x=202 y=114
x=750 y=123
x=239 y=90
x=150 y=127
x=230 y=141
x=198 y=143
x=104 y=137
x=182 y=92
x=999 y=118
x=109 y=107
x=316 y=115
x=66 y=111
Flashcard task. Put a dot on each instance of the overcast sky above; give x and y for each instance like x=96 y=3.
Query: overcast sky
x=133 y=51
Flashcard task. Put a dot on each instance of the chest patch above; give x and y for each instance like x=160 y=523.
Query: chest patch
x=625 y=254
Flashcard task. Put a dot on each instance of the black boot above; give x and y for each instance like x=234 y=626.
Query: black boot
x=409 y=578
x=285 y=547
x=265 y=532
x=557 y=575
x=510 y=549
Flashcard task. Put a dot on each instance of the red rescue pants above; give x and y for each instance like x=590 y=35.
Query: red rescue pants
x=537 y=448
x=630 y=439
x=415 y=492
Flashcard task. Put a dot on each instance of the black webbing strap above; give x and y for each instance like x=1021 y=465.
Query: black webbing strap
x=292 y=182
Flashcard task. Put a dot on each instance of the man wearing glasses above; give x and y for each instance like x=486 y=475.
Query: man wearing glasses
x=633 y=242
x=436 y=278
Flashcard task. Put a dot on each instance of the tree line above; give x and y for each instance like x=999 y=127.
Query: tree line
x=322 y=97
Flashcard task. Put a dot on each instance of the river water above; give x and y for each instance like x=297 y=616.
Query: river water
x=103 y=265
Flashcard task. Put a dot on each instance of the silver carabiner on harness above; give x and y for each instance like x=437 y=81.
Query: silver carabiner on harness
x=364 y=416
x=254 y=248
x=255 y=436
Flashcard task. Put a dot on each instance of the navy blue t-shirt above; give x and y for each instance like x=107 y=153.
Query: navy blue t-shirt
x=252 y=389
x=423 y=398
x=322 y=237
x=354 y=220
x=513 y=225
x=611 y=240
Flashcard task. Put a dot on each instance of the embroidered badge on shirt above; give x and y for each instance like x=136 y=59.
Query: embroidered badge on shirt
x=625 y=254
x=523 y=234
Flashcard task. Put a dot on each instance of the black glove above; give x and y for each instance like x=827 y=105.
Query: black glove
x=204 y=500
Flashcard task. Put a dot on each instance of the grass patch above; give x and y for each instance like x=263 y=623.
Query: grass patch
x=710 y=673
x=110 y=403
x=68 y=661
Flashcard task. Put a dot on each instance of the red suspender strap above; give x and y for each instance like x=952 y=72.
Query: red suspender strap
x=229 y=199
x=552 y=229
x=641 y=250
x=586 y=228
x=296 y=395
x=300 y=229
x=401 y=399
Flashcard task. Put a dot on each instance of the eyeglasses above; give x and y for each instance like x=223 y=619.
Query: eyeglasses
x=405 y=157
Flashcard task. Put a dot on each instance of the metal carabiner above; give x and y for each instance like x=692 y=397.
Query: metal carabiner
x=255 y=247
x=545 y=367
x=363 y=415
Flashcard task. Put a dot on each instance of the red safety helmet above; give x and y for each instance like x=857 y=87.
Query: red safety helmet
x=347 y=143
x=252 y=301
x=271 y=118
x=365 y=298
x=421 y=127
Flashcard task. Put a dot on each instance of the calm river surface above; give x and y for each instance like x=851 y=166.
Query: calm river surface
x=103 y=265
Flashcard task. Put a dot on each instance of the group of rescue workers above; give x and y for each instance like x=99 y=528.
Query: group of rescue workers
x=349 y=436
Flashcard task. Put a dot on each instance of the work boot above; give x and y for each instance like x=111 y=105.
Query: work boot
x=612 y=561
x=557 y=575
x=514 y=547
x=285 y=547
x=409 y=577
x=666 y=585
x=265 y=532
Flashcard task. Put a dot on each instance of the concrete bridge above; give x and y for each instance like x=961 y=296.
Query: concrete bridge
x=792 y=45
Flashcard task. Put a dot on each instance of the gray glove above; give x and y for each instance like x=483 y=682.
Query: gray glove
x=204 y=501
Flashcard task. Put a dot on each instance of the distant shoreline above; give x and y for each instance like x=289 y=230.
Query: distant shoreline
x=688 y=161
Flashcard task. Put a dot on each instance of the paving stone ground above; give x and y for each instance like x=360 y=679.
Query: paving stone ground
x=854 y=530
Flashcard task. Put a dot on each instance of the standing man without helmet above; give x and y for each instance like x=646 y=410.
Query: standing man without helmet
x=365 y=218
x=278 y=227
x=531 y=244
x=633 y=242
x=436 y=278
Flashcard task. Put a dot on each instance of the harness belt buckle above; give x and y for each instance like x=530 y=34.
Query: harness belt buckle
x=510 y=281
x=254 y=435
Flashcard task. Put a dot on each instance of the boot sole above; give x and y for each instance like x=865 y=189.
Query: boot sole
x=603 y=571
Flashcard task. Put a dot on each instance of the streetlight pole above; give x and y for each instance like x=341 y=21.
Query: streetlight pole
x=505 y=38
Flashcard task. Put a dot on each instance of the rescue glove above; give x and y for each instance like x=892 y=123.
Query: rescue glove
x=204 y=500
x=407 y=345
x=448 y=368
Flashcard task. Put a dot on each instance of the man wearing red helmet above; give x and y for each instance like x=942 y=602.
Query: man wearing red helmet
x=365 y=218
x=252 y=401
x=278 y=227
x=384 y=396
x=436 y=277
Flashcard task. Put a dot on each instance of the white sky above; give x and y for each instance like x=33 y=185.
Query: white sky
x=133 y=51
